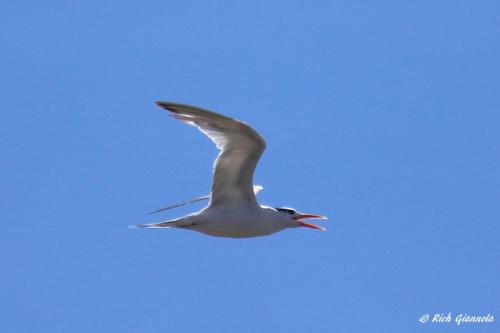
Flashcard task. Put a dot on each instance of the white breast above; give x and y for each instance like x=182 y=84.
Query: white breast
x=237 y=221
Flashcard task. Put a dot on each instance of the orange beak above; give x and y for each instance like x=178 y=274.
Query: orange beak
x=310 y=216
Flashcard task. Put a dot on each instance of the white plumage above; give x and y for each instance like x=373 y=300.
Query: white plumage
x=233 y=210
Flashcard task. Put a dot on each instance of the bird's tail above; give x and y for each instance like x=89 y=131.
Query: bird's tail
x=178 y=223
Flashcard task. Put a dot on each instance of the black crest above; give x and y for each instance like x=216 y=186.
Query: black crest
x=288 y=210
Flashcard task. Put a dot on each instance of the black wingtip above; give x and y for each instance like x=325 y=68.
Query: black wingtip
x=167 y=106
x=162 y=104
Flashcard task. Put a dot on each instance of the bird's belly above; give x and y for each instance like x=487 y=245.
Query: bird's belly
x=236 y=228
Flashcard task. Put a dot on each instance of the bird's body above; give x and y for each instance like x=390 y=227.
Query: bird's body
x=234 y=221
x=233 y=210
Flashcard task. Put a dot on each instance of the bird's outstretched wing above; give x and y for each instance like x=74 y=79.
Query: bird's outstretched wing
x=179 y=204
x=240 y=148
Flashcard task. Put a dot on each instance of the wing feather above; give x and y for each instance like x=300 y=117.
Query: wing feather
x=240 y=149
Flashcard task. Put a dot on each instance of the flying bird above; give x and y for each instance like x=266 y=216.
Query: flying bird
x=232 y=210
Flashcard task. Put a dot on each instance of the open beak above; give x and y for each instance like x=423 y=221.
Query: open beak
x=301 y=217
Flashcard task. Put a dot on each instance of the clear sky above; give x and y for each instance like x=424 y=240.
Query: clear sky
x=382 y=115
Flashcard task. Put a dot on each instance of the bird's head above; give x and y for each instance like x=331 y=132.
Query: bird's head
x=295 y=219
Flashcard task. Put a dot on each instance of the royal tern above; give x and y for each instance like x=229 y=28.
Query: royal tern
x=233 y=210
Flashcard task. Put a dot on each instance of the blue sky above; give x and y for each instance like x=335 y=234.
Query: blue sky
x=382 y=115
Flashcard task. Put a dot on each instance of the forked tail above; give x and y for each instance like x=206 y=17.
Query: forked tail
x=178 y=223
x=163 y=224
